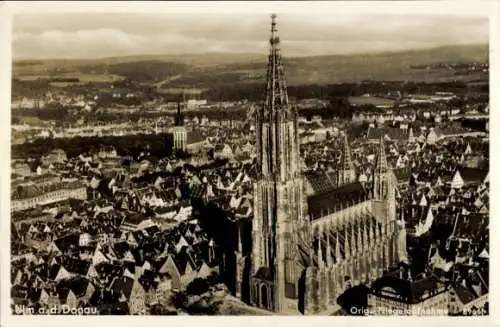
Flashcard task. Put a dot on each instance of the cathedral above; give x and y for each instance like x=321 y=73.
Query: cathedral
x=309 y=247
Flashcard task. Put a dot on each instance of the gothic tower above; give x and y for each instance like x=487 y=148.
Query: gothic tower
x=278 y=195
x=384 y=205
x=346 y=174
x=381 y=174
x=179 y=131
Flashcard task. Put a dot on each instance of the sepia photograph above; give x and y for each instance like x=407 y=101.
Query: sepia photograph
x=253 y=163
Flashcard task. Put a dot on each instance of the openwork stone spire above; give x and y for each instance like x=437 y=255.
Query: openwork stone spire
x=278 y=153
x=347 y=173
x=276 y=93
x=338 y=254
x=328 y=249
x=346 y=162
x=381 y=166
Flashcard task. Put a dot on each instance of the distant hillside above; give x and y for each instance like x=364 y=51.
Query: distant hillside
x=380 y=66
x=221 y=69
x=196 y=60
x=142 y=71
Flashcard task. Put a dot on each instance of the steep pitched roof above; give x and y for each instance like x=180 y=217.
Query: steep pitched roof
x=403 y=175
x=465 y=294
x=195 y=137
x=473 y=175
x=334 y=200
x=393 y=133
x=66 y=242
x=321 y=181
x=124 y=285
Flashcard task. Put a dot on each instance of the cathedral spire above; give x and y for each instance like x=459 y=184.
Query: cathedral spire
x=346 y=154
x=381 y=179
x=338 y=255
x=240 y=244
x=371 y=232
x=347 y=248
x=240 y=263
x=276 y=93
x=328 y=249
x=381 y=166
x=360 y=238
x=278 y=152
x=346 y=173
x=365 y=236
x=354 y=244
x=320 y=251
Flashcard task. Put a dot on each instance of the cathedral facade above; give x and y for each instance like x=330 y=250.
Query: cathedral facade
x=307 y=248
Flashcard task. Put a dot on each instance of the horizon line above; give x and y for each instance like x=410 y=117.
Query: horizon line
x=487 y=44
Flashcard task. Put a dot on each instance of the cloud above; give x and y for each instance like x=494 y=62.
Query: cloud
x=111 y=42
x=80 y=35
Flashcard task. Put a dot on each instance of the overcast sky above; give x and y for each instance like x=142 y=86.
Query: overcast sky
x=94 y=35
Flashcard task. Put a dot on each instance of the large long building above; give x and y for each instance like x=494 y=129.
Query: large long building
x=307 y=249
x=32 y=195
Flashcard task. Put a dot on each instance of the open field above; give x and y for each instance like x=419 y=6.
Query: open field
x=366 y=100
x=226 y=69
x=83 y=78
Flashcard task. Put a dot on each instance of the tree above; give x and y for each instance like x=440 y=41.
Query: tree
x=198 y=287
x=204 y=307
x=179 y=300
x=159 y=310
x=354 y=300
x=213 y=278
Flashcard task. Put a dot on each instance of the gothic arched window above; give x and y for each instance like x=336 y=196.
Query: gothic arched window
x=264 y=299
